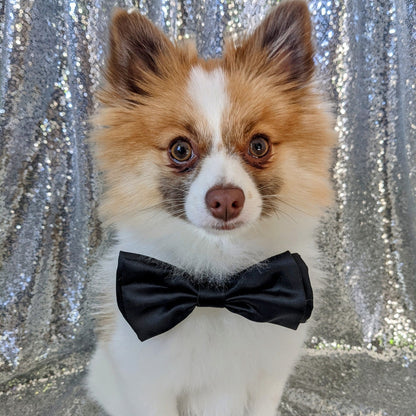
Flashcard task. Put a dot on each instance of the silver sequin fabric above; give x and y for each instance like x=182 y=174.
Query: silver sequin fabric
x=360 y=355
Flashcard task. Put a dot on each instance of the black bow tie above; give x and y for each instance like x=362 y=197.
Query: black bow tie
x=154 y=296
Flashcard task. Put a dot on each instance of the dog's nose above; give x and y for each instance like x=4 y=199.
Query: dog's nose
x=225 y=203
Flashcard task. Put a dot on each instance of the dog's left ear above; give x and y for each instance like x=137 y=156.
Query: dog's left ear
x=282 y=43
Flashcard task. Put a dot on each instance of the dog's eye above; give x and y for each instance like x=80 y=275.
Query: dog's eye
x=180 y=150
x=259 y=146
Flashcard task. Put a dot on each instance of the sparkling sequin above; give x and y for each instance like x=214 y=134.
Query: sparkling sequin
x=360 y=358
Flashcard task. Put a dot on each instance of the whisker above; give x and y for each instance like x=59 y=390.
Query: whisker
x=282 y=201
x=278 y=212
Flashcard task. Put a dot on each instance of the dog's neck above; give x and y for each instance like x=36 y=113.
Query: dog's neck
x=197 y=251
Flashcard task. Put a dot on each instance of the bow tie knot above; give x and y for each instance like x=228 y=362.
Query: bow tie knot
x=154 y=296
x=208 y=298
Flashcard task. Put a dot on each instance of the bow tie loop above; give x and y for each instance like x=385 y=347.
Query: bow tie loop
x=208 y=298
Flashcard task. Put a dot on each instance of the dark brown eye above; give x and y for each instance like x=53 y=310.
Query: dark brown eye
x=259 y=146
x=180 y=150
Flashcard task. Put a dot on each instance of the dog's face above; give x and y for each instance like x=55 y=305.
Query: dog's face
x=220 y=144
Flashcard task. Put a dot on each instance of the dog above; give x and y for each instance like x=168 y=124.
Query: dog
x=210 y=167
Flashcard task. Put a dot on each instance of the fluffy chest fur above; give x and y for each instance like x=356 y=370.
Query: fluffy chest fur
x=214 y=363
x=212 y=167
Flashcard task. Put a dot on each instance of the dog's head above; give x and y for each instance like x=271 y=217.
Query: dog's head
x=221 y=144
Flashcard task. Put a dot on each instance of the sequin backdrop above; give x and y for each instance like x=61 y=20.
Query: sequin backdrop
x=359 y=359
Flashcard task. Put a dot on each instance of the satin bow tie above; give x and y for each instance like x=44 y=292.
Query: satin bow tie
x=154 y=296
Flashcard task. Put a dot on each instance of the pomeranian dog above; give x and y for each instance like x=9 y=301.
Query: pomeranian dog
x=210 y=167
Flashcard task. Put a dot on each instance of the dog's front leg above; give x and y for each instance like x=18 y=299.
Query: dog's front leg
x=127 y=393
x=264 y=401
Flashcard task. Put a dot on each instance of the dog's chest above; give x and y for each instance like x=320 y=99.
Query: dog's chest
x=207 y=348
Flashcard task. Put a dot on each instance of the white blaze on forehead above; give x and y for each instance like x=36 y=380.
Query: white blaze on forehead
x=208 y=93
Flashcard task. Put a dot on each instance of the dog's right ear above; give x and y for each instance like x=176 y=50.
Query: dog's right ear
x=135 y=49
x=281 y=45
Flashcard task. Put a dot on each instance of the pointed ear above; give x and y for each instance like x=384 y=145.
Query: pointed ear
x=284 y=40
x=135 y=49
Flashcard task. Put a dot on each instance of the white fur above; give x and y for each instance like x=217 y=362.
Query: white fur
x=214 y=363
x=207 y=91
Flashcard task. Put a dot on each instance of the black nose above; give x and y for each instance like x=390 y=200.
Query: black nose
x=225 y=203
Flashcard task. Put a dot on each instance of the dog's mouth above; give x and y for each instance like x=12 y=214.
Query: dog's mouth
x=227 y=225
